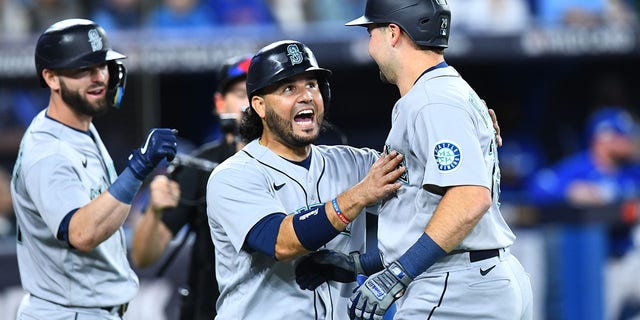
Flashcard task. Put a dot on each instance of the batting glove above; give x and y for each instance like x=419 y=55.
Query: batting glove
x=159 y=144
x=372 y=299
x=321 y=266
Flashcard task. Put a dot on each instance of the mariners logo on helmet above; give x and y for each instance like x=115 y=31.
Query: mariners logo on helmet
x=294 y=54
x=448 y=156
x=95 y=40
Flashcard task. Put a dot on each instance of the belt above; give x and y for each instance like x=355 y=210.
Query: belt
x=121 y=309
x=479 y=255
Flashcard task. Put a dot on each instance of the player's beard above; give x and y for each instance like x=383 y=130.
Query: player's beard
x=386 y=73
x=283 y=130
x=80 y=104
x=383 y=78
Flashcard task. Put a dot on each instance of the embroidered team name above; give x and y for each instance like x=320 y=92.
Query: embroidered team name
x=448 y=156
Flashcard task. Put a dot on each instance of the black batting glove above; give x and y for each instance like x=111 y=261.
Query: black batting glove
x=321 y=266
x=373 y=298
x=160 y=143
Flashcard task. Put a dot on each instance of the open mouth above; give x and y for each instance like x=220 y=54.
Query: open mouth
x=304 y=117
x=98 y=91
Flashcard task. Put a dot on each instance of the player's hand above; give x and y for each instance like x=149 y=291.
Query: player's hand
x=160 y=143
x=165 y=193
x=321 y=266
x=375 y=296
x=496 y=127
x=381 y=180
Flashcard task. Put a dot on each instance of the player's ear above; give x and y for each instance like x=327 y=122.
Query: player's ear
x=258 y=104
x=51 y=78
x=393 y=31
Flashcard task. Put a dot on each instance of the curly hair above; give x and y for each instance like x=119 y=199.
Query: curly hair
x=250 y=125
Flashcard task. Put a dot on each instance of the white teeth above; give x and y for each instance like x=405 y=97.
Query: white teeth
x=303 y=112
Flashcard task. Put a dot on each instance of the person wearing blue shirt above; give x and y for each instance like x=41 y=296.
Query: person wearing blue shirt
x=605 y=173
x=189 y=14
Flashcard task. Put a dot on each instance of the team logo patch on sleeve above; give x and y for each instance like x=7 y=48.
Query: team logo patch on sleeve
x=448 y=156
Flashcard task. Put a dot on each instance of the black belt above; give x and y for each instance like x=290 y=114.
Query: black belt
x=121 y=309
x=479 y=255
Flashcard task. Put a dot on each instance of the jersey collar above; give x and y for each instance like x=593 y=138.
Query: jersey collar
x=442 y=64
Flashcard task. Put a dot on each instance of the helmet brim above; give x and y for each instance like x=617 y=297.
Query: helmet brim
x=362 y=21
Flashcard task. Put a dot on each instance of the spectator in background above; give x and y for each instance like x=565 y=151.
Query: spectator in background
x=331 y=10
x=289 y=14
x=604 y=173
x=499 y=17
x=241 y=12
x=118 y=14
x=181 y=14
x=14 y=21
x=585 y=12
x=43 y=13
x=18 y=106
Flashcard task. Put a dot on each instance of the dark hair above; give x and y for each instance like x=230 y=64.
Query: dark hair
x=250 y=125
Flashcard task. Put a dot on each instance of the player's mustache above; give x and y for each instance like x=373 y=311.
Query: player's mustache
x=97 y=85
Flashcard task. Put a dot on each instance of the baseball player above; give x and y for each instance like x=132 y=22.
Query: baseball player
x=281 y=196
x=442 y=238
x=69 y=203
x=452 y=260
x=165 y=215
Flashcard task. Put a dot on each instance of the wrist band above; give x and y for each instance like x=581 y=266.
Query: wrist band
x=313 y=228
x=422 y=254
x=126 y=186
x=344 y=219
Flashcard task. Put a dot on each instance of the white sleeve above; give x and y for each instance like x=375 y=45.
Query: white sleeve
x=451 y=147
x=55 y=188
x=238 y=207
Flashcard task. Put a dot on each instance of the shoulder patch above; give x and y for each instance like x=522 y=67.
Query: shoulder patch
x=448 y=156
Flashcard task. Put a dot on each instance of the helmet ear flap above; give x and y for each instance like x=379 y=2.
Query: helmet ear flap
x=325 y=90
x=117 y=82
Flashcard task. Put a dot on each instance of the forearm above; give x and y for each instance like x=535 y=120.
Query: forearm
x=97 y=221
x=307 y=231
x=457 y=214
x=150 y=239
x=349 y=204
x=287 y=244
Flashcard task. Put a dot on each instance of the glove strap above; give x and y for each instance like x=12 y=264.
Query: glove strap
x=368 y=263
x=357 y=264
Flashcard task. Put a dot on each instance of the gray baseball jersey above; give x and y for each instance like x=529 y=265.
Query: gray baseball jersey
x=60 y=169
x=256 y=182
x=446 y=135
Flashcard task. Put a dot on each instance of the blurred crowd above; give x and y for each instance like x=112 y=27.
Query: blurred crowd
x=521 y=158
x=598 y=164
x=21 y=17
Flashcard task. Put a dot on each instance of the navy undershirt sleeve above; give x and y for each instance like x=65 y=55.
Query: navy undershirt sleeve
x=262 y=237
x=63 y=229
